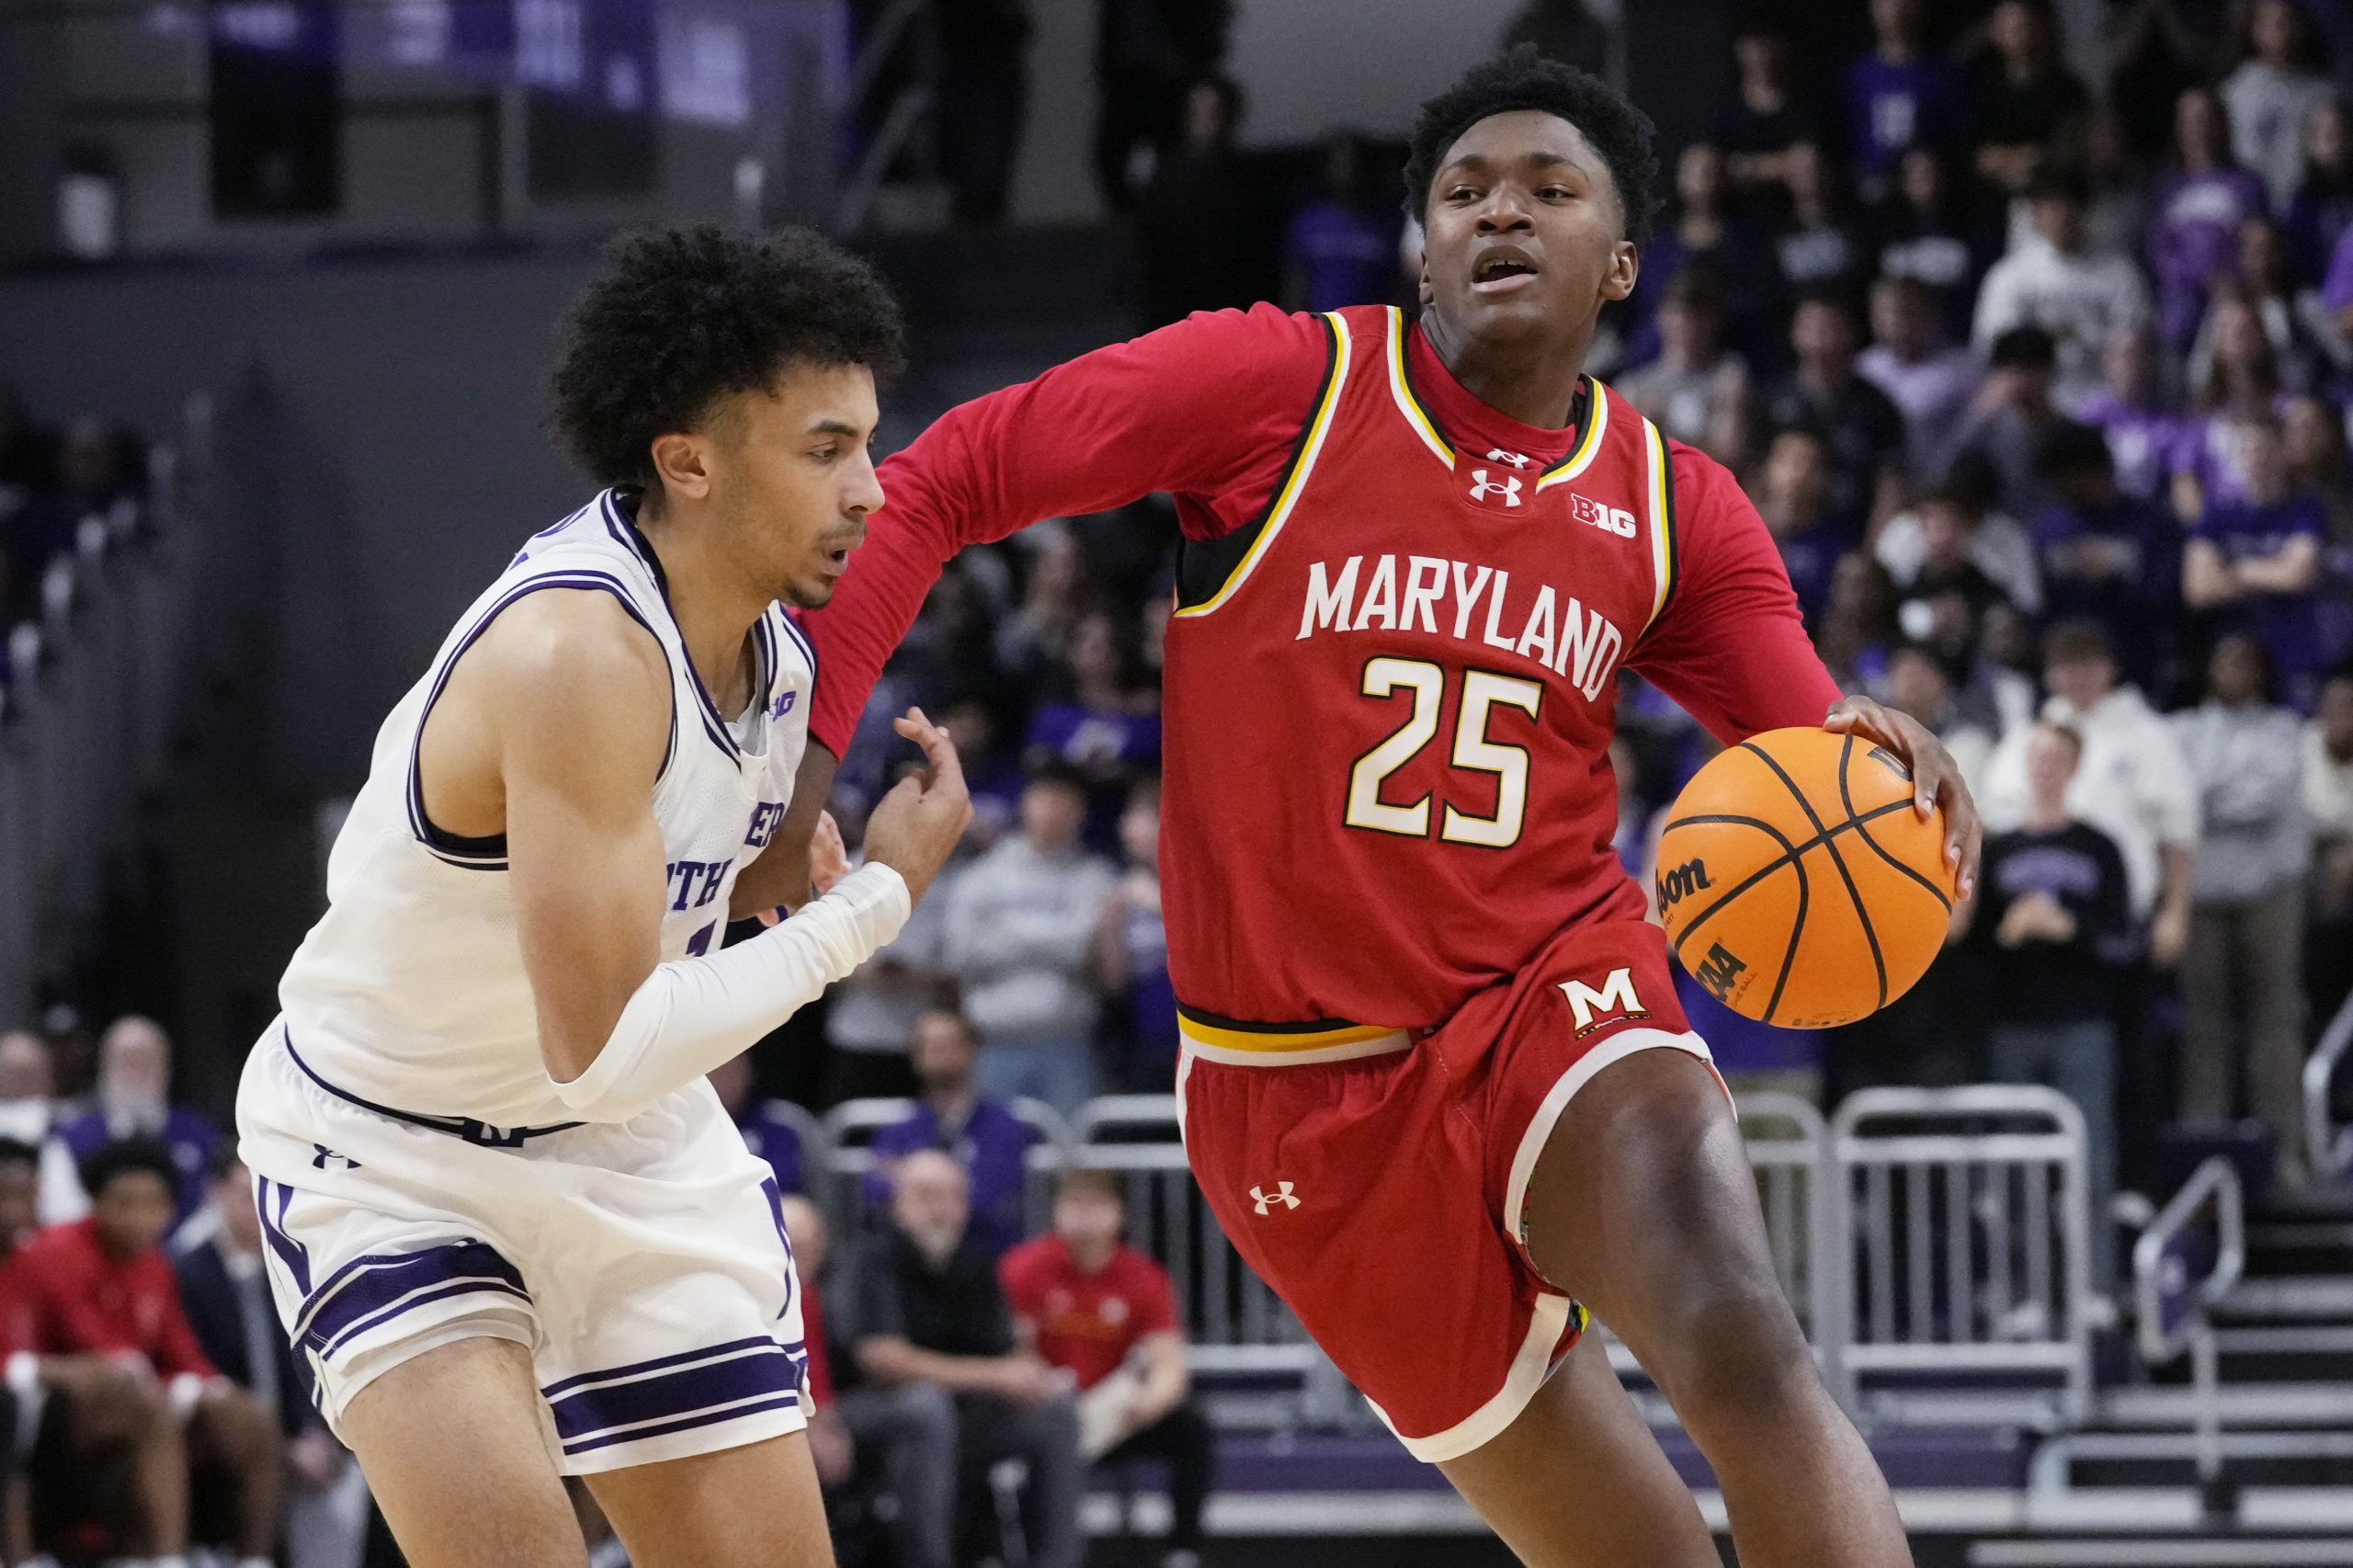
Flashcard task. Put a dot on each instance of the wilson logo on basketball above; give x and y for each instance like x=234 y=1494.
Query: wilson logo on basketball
x=1680 y=882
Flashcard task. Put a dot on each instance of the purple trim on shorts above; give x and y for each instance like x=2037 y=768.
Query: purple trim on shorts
x=746 y=1370
x=369 y=1290
x=409 y=1303
x=290 y=1252
x=789 y=1400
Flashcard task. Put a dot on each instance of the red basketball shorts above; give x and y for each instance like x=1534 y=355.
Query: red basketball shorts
x=1375 y=1178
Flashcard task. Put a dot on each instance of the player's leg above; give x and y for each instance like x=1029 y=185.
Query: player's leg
x=454 y=1448
x=1643 y=1205
x=755 y=1506
x=238 y=1435
x=1578 y=1481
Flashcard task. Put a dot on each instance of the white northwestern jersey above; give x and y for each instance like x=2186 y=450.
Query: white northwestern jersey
x=410 y=991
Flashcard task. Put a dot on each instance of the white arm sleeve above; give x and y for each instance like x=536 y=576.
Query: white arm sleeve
x=693 y=1014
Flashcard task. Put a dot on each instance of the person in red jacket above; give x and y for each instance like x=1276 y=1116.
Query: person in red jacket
x=1105 y=1313
x=102 y=1287
x=85 y=1408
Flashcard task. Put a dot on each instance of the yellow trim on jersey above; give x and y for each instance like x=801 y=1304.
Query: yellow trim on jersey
x=1597 y=420
x=1663 y=560
x=1424 y=426
x=1282 y=1043
x=1319 y=426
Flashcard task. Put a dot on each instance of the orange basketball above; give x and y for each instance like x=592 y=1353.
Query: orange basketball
x=1798 y=884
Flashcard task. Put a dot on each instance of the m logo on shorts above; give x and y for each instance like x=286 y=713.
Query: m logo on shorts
x=1615 y=1002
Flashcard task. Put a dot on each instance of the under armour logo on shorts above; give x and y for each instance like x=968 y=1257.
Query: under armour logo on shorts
x=1260 y=1197
x=323 y=1155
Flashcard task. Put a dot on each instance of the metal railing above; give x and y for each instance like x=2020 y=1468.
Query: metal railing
x=899 y=129
x=2329 y=1146
x=91 y=706
x=2173 y=1301
x=848 y=1157
x=1968 y=1227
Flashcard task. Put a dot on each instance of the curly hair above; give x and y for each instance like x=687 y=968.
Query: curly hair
x=1523 y=79
x=683 y=317
x=122 y=1156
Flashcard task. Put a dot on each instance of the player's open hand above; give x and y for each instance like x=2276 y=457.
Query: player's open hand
x=828 y=856
x=916 y=828
x=1936 y=777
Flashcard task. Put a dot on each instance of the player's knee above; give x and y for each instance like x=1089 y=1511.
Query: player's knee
x=1738 y=1366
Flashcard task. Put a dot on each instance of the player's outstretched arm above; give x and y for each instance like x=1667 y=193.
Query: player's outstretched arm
x=690 y=1015
x=569 y=703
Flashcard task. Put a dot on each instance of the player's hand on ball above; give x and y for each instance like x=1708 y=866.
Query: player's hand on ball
x=828 y=856
x=916 y=828
x=1936 y=777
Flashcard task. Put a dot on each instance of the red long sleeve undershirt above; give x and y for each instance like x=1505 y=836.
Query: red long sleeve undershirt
x=1207 y=410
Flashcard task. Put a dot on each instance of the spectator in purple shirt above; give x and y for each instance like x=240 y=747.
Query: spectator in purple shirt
x=769 y=1132
x=2106 y=553
x=2254 y=563
x=1792 y=496
x=982 y=1135
x=1930 y=379
x=133 y=1097
x=2337 y=288
x=2238 y=382
x=2196 y=213
x=2323 y=208
x=1340 y=250
x=1106 y=728
x=1898 y=96
x=2144 y=434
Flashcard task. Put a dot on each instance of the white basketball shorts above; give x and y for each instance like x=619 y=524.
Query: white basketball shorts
x=643 y=1264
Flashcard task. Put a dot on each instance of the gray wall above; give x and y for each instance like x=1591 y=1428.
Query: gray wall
x=406 y=398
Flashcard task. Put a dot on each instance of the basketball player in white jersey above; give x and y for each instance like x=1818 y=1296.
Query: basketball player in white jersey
x=510 y=1227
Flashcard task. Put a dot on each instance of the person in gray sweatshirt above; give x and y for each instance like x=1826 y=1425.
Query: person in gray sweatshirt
x=2244 y=955
x=1019 y=937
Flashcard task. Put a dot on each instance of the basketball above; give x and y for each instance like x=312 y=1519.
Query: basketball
x=1796 y=881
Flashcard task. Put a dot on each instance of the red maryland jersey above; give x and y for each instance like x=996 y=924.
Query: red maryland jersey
x=1389 y=704
x=1389 y=685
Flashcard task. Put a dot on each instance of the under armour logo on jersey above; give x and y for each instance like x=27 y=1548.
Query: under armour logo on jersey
x=783 y=705
x=322 y=1156
x=1516 y=460
x=1260 y=1197
x=1481 y=487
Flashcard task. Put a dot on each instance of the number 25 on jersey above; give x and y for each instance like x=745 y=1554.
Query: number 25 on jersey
x=1387 y=678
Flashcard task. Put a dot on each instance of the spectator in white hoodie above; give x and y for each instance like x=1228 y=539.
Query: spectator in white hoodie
x=2054 y=280
x=1020 y=934
x=2131 y=783
x=2245 y=957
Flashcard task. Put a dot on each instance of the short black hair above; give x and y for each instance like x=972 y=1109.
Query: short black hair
x=682 y=317
x=16 y=1152
x=1059 y=774
x=124 y=1156
x=1524 y=79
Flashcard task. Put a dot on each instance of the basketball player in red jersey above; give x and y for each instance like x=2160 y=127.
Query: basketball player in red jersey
x=1436 y=1083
